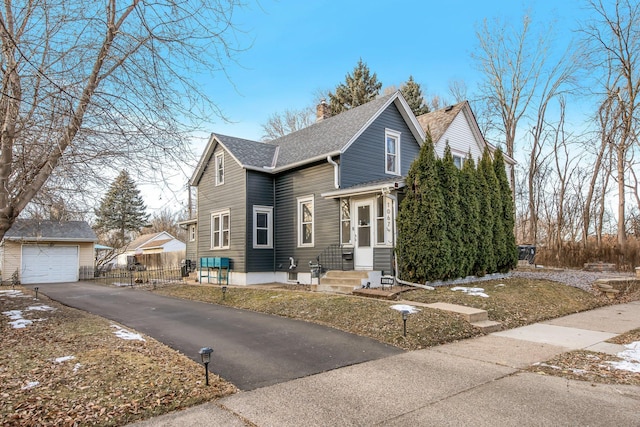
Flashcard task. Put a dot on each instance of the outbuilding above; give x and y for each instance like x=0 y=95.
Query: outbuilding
x=45 y=251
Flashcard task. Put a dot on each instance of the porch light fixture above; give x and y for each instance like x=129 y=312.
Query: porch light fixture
x=405 y=316
x=205 y=355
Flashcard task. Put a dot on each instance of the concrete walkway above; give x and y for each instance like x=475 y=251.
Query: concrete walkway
x=477 y=382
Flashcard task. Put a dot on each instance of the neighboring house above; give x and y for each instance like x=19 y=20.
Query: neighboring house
x=457 y=126
x=154 y=243
x=330 y=191
x=48 y=251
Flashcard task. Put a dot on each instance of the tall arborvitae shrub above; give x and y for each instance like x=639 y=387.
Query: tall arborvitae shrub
x=470 y=217
x=510 y=260
x=449 y=180
x=485 y=261
x=495 y=200
x=422 y=245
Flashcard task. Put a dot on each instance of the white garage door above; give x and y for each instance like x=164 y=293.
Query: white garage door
x=49 y=264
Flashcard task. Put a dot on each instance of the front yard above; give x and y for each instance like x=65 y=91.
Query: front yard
x=62 y=366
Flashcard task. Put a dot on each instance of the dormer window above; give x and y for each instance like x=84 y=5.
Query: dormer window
x=392 y=152
x=219 y=168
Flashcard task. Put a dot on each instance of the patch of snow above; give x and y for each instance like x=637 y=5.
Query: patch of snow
x=76 y=367
x=476 y=292
x=127 y=335
x=40 y=308
x=11 y=293
x=13 y=314
x=631 y=358
x=405 y=307
x=63 y=359
x=31 y=384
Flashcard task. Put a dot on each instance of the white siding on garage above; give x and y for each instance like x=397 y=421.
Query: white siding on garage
x=49 y=264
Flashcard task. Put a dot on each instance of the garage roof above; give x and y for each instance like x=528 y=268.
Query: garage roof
x=38 y=230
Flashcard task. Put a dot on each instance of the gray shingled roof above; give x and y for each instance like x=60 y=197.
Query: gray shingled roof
x=249 y=153
x=328 y=136
x=437 y=122
x=33 y=229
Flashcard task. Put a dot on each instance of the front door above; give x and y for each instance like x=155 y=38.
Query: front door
x=363 y=256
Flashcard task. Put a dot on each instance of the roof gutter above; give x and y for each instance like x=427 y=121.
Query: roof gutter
x=336 y=179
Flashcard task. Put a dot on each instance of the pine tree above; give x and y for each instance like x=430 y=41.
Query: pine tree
x=412 y=92
x=423 y=248
x=485 y=261
x=358 y=89
x=495 y=200
x=122 y=209
x=510 y=260
x=449 y=181
x=470 y=216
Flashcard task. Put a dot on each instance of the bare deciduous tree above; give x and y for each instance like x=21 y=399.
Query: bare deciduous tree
x=92 y=87
x=613 y=42
x=281 y=124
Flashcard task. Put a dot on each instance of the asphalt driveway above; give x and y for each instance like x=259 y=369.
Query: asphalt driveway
x=251 y=350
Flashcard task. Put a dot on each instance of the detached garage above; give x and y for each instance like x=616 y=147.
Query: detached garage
x=48 y=252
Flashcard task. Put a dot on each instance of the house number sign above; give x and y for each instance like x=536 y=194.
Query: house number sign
x=388 y=220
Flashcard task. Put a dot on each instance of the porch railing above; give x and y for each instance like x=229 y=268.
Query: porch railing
x=336 y=257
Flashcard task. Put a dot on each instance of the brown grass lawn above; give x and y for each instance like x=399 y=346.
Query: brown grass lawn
x=109 y=380
x=106 y=380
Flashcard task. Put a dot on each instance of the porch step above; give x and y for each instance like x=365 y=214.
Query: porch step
x=341 y=282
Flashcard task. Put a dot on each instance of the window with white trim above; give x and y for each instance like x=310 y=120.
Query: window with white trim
x=220 y=228
x=262 y=227
x=458 y=161
x=380 y=238
x=219 y=162
x=392 y=152
x=305 y=221
x=192 y=232
x=345 y=222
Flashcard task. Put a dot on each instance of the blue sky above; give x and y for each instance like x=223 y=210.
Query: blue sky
x=299 y=48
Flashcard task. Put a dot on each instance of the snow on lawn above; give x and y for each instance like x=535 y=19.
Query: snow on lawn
x=476 y=292
x=63 y=359
x=17 y=319
x=31 y=384
x=404 y=307
x=12 y=293
x=631 y=358
x=126 y=335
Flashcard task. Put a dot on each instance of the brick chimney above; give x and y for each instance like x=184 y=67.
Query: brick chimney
x=322 y=111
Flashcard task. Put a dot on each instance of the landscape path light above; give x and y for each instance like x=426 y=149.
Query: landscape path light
x=205 y=354
x=405 y=316
x=405 y=310
x=36 y=289
x=224 y=292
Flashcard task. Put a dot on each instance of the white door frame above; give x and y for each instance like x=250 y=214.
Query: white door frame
x=363 y=246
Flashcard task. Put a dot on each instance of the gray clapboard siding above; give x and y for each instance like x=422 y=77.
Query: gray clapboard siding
x=364 y=160
x=290 y=185
x=383 y=260
x=232 y=196
x=260 y=192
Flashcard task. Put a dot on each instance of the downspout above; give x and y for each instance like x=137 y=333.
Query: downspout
x=336 y=179
x=395 y=254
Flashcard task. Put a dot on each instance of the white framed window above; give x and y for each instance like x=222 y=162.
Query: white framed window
x=345 y=222
x=219 y=162
x=305 y=221
x=262 y=227
x=380 y=237
x=391 y=152
x=192 y=233
x=458 y=161
x=220 y=229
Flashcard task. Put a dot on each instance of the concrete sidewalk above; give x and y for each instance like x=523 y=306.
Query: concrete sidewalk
x=472 y=382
